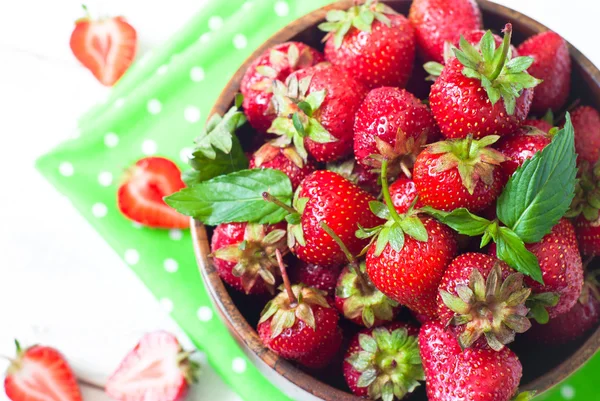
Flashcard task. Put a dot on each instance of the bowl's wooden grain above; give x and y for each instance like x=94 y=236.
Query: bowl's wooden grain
x=542 y=374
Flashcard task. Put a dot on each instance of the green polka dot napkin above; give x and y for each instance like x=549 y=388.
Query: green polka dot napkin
x=158 y=108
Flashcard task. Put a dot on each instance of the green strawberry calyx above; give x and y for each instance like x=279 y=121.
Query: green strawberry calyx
x=587 y=193
x=295 y=234
x=492 y=308
x=538 y=305
x=361 y=17
x=474 y=159
x=268 y=152
x=294 y=59
x=389 y=363
x=255 y=256
x=297 y=111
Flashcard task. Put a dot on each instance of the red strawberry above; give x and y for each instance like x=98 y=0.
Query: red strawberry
x=319 y=277
x=553 y=66
x=439 y=21
x=521 y=146
x=392 y=123
x=586 y=122
x=364 y=177
x=588 y=235
x=462 y=104
x=300 y=324
x=40 y=373
x=106 y=47
x=542 y=124
x=562 y=272
x=384 y=363
x=403 y=193
x=251 y=268
x=480 y=295
x=586 y=208
x=378 y=48
x=140 y=197
x=156 y=369
x=277 y=63
x=472 y=374
x=316 y=112
x=283 y=159
x=459 y=173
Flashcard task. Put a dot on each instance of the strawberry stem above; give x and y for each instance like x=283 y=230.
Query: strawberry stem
x=505 y=48
x=386 y=192
x=286 y=280
x=270 y=198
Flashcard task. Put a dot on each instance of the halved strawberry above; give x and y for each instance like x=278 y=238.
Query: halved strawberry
x=106 y=47
x=156 y=369
x=140 y=197
x=40 y=373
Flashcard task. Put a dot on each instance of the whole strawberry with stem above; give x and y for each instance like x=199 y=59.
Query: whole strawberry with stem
x=327 y=196
x=372 y=42
x=315 y=111
x=586 y=122
x=356 y=298
x=391 y=123
x=459 y=173
x=364 y=177
x=439 y=21
x=316 y=276
x=585 y=208
x=484 y=301
x=408 y=254
x=521 y=146
x=483 y=91
x=244 y=255
x=156 y=369
x=384 y=362
x=300 y=324
x=473 y=374
x=40 y=373
x=284 y=159
x=552 y=64
x=276 y=63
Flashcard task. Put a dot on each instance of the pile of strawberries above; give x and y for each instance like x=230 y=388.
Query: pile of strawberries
x=471 y=209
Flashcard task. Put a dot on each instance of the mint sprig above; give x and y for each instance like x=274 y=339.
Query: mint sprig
x=535 y=198
x=235 y=197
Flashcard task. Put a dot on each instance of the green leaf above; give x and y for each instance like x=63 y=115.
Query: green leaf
x=519 y=64
x=298 y=124
x=239 y=100
x=359 y=23
x=413 y=227
x=434 y=69
x=382 y=240
x=367 y=343
x=487 y=45
x=336 y=15
x=541 y=190
x=218 y=134
x=235 y=197
x=396 y=238
x=510 y=248
x=379 y=209
x=306 y=108
x=315 y=100
x=339 y=35
x=318 y=133
x=204 y=168
x=460 y=220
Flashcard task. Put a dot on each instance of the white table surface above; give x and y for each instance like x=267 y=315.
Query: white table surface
x=51 y=291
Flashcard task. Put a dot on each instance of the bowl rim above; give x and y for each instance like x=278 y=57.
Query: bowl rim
x=247 y=334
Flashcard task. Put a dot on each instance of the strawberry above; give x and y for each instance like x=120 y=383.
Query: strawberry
x=403 y=193
x=562 y=272
x=393 y=123
x=481 y=296
x=384 y=362
x=586 y=122
x=439 y=21
x=140 y=196
x=521 y=146
x=472 y=374
x=278 y=63
x=283 y=159
x=156 y=369
x=542 y=124
x=40 y=373
x=106 y=47
x=244 y=255
x=300 y=324
x=459 y=173
x=472 y=96
x=586 y=208
x=372 y=42
x=552 y=64
x=319 y=277
x=364 y=177
x=315 y=112
x=588 y=235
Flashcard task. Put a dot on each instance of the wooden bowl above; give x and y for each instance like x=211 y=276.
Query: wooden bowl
x=543 y=370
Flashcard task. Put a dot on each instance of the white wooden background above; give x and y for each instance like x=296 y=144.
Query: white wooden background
x=60 y=284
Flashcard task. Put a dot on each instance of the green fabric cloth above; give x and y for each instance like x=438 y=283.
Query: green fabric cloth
x=158 y=108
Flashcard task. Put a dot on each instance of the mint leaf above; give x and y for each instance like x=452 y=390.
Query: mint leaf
x=541 y=190
x=460 y=220
x=511 y=249
x=205 y=168
x=235 y=197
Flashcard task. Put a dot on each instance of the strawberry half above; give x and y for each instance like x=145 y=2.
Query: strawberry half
x=140 y=197
x=106 y=47
x=157 y=369
x=40 y=373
